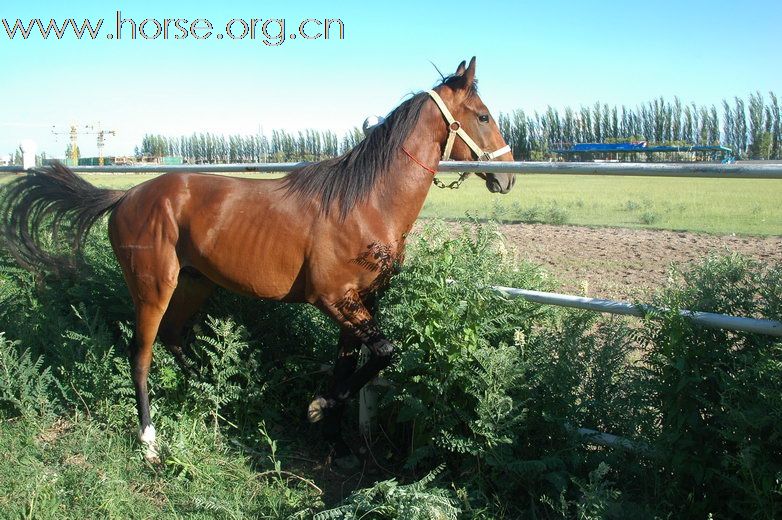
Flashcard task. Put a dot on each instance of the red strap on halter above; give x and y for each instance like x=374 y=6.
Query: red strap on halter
x=419 y=163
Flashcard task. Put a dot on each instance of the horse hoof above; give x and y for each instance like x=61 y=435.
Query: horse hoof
x=317 y=409
x=151 y=455
x=152 y=458
x=148 y=439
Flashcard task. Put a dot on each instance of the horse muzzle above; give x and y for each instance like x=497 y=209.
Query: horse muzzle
x=498 y=185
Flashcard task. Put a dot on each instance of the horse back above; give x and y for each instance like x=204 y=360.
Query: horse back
x=243 y=234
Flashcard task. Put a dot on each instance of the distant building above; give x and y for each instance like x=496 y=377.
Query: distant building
x=119 y=161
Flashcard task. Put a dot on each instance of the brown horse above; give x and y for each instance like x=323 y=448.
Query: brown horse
x=329 y=234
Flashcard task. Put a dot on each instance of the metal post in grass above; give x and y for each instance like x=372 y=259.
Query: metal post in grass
x=367 y=399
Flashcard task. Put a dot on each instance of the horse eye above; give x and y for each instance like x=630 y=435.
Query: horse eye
x=483 y=118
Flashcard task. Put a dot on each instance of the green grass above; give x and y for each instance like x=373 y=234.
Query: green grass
x=720 y=206
x=76 y=467
x=723 y=206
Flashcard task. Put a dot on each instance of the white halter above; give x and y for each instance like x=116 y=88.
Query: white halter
x=455 y=128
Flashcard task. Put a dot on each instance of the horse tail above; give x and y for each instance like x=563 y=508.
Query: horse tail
x=51 y=197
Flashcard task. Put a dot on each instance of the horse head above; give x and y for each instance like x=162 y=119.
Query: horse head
x=473 y=132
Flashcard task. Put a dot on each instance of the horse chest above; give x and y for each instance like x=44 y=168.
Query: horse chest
x=377 y=264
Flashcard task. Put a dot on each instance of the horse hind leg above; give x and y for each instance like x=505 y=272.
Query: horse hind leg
x=151 y=276
x=192 y=291
x=148 y=316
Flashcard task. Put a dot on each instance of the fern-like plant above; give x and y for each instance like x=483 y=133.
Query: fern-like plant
x=25 y=384
x=390 y=500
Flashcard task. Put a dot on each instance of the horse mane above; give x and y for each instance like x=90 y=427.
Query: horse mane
x=348 y=179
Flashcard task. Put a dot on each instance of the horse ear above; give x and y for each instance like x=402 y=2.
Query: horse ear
x=469 y=74
x=460 y=69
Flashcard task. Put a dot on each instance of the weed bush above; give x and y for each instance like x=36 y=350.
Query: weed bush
x=480 y=387
x=551 y=213
x=648 y=217
x=717 y=394
x=454 y=330
x=631 y=205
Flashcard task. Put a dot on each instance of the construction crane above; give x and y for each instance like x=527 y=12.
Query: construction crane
x=101 y=133
x=73 y=134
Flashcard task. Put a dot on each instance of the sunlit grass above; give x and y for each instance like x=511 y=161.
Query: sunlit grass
x=741 y=206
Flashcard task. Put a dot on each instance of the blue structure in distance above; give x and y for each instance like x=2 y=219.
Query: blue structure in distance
x=589 y=150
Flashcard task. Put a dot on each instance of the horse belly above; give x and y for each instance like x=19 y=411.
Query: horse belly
x=265 y=261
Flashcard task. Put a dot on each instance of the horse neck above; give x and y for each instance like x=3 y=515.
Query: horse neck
x=401 y=195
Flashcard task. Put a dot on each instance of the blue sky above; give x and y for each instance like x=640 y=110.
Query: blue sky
x=530 y=55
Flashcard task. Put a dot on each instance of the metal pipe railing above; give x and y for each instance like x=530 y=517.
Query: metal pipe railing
x=703 y=170
x=705 y=319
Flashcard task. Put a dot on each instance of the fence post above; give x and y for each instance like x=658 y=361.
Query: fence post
x=367 y=399
x=28 y=153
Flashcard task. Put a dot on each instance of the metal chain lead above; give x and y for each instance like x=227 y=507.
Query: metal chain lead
x=452 y=186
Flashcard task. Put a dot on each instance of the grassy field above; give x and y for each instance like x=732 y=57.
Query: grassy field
x=722 y=206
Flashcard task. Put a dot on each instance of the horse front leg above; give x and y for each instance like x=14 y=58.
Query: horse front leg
x=345 y=365
x=357 y=321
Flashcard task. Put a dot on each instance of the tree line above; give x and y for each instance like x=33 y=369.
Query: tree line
x=752 y=129
x=281 y=146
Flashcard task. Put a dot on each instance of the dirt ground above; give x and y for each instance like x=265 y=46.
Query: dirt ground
x=623 y=263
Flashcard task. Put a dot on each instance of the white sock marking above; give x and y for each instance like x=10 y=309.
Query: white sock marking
x=147 y=436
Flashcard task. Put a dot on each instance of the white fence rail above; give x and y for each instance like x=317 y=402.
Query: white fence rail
x=705 y=319
x=704 y=170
